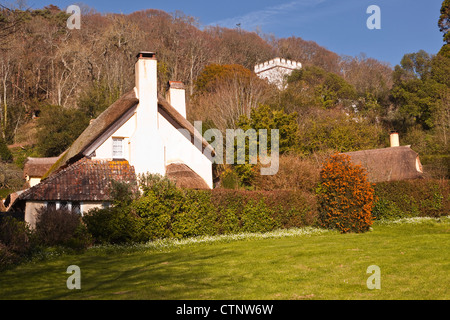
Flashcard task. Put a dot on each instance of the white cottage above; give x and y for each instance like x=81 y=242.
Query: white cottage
x=153 y=133
x=142 y=132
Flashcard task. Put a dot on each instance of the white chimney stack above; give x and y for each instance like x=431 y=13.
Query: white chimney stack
x=176 y=96
x=146 y=86
x=146 y=144
x=394 y=139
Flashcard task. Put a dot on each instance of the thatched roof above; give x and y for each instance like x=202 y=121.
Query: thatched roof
x=185 y=177
x=389 y=164
x=2 y=206
x=112 y=114
x=95 y=129
x=37 y=167
x=85 y=180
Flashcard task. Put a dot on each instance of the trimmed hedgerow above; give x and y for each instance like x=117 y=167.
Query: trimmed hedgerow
x=165 y=211
x=412 y=198
x=235 y=209
x=176 y=213
x=170 y=212
x=345 y=197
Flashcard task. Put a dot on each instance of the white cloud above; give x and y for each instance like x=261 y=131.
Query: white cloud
x=259 y=18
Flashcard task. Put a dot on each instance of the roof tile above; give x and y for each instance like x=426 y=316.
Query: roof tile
x=85 y=180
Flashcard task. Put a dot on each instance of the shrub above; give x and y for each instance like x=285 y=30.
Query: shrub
x=113 y=225
x=6 y=256
x=155 y=217
x=14 y=241
x=116 y=224
x=345 y=197
x=229 y=178
x=14 y=234
x=60 y=227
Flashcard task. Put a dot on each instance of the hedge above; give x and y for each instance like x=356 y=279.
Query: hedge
x=412 y=198
x=259 y=211
x=175 y=213
x=164 y=211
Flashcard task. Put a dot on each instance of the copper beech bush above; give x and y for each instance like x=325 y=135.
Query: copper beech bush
x=345 y=197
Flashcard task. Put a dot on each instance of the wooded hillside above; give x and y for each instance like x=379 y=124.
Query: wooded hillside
x=53 y=80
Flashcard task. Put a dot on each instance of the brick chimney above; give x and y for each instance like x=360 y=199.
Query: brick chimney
x=176 y=96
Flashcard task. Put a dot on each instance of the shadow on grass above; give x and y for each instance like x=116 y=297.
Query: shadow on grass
x=182 y=274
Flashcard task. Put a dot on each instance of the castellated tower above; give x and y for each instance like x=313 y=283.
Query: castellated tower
x=276 y=70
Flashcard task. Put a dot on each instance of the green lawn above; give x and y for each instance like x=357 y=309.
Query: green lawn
x=414 y=259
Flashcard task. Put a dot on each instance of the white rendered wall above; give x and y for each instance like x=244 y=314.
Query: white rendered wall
x=33 y=181
x=105 y=151
x=31 y=208
x=178 y=149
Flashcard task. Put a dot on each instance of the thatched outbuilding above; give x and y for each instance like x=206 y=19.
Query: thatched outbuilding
x=389 y=164
x=35 y=168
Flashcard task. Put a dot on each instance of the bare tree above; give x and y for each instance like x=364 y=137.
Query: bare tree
x=229 y=100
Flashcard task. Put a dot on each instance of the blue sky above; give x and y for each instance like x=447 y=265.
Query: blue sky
x=339 y=25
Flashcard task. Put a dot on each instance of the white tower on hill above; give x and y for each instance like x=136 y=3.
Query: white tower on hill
x=276 y=70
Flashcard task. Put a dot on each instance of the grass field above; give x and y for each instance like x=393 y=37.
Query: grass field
x=414 y=259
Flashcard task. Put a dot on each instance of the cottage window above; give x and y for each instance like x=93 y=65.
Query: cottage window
x=51 y=205
x=117 y=148
x=76 y=207
x=64 y=205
